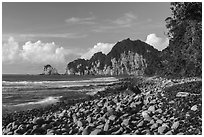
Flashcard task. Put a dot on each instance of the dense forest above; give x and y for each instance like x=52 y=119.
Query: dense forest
x=183 y=56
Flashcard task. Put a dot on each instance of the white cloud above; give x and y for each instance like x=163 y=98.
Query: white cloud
x=37 y=52
x=29 y=36
x=157 y=42
x=126 y=19
x=10 y=50
x=76 y=20
x=99 y=47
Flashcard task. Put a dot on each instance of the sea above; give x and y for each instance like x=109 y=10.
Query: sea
x=20 y=92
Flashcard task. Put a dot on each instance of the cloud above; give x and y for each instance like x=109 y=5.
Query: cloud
x=126 y=20
x=10 y=50
x=60 y=35
x=42 y=52
x=37 y=52
x=24 y=37
x=157 y=42
x=76 y=20
x=99 y=47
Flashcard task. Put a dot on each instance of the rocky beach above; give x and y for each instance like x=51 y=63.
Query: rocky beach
x=158 y=106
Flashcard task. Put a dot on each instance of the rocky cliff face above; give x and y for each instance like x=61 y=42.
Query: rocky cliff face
x=49 y=70
x=126 y=57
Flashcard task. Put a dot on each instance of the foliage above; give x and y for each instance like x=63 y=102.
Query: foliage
x=184 y=54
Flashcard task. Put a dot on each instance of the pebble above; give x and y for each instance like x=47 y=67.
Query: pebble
x=108 y=115
x=79 y=124
x=159 y=110
x=151 y=109
x=95 y=132
x=112 y=117
x=194 y=108
x=146 y=116
x=180 y=133
x=118 y=132
x=86 y=131
x=100 y=126
x=175 y=125
x=159 y=121
x=169 y=133
x=140 y=124
x=38 y=121
x=182 y=94
x=152 y=121
x=125 y=122
x=161 y=129
x=155 y=125
x=106 y=126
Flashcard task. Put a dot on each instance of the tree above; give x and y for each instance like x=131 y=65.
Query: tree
x=185 y=33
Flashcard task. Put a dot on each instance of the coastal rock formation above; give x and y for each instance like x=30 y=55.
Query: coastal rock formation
x=49 y=70
x=126 y=57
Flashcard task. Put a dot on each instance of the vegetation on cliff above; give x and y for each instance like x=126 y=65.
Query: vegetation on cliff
x=183 y=56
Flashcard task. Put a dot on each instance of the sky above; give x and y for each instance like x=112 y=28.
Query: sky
x=36 y=34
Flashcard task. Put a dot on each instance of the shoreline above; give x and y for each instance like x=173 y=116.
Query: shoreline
x=147 y=85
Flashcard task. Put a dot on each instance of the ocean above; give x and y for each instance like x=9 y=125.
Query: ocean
x=21 y=92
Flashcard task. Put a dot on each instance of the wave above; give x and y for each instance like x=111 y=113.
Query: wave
x=104 y=79
x=48 y=100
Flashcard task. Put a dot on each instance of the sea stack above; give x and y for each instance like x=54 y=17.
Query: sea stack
x=49 y=70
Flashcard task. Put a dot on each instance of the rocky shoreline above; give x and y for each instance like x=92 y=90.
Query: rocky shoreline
x=164 y=107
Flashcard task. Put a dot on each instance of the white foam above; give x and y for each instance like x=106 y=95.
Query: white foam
x=58 y=82
x=48 y=100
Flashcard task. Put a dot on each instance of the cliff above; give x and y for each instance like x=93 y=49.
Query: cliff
x=126 y=57
x=49 y=70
